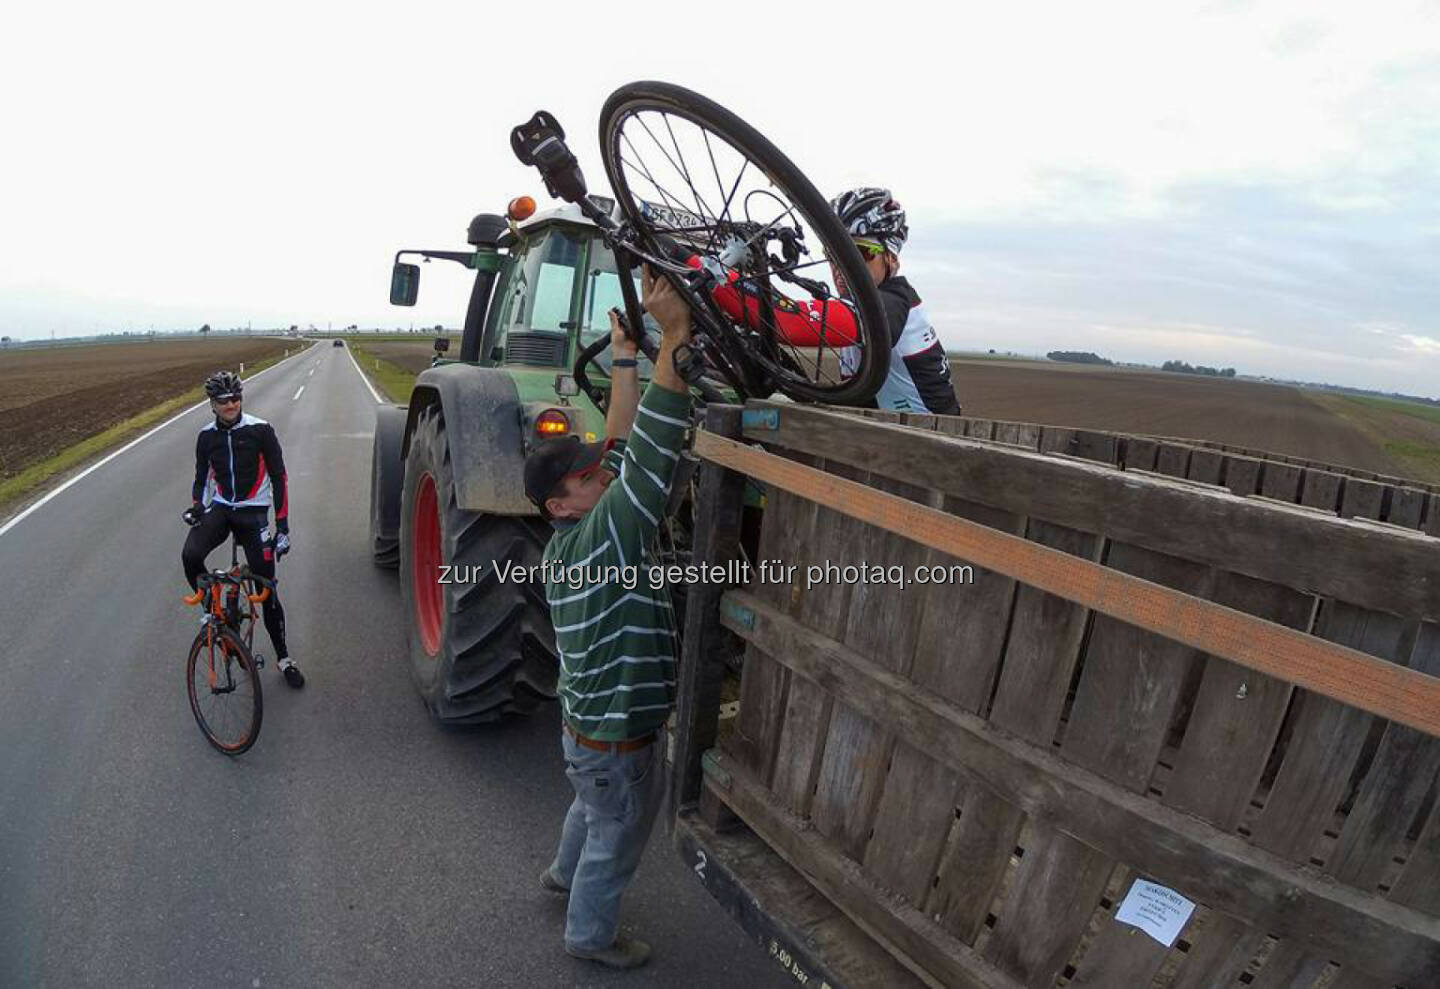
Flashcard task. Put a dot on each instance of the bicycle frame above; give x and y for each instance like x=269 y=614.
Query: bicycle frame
x=216 y=589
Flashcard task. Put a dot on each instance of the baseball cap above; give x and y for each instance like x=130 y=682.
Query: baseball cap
x=556 y=459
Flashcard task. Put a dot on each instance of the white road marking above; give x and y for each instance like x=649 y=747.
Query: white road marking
x=373 y=394
x=137 y=440
x=312 y=371
x=297 y=394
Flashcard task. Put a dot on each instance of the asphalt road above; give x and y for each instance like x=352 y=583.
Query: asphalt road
x=358 y=844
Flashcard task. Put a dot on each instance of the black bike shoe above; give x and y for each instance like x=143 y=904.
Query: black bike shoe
x=292 y=673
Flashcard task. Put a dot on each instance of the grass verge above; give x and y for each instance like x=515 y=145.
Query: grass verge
x=32 y=478
x=394 y=382
x=1396 y=406
x=1404 y=430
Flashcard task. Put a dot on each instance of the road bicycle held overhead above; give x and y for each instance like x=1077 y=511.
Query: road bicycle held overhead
x=222 y=675
x=780 y=296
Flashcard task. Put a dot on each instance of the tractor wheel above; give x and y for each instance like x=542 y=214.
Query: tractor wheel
x=480 y=647
x=386 y=476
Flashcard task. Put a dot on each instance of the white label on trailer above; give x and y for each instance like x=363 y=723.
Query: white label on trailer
x=1157 y=911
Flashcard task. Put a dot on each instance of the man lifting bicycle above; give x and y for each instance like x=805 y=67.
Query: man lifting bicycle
x=239 y=474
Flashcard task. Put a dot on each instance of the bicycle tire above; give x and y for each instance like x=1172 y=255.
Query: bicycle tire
x=781 y=171
x=228 y=641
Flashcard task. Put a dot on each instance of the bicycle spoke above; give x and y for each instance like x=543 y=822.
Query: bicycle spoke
x=683 y=170
x=670 y=200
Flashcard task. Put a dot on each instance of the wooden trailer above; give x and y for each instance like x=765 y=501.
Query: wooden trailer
x=1179 y=727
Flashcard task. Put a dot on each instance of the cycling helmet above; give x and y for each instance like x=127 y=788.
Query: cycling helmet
x=870 y=212
x=223 y=383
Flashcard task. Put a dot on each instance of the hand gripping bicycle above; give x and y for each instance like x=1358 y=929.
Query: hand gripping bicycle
x=708 y=201
x=222 y=677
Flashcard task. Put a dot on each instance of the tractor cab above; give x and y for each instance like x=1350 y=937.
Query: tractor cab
x=545 y=283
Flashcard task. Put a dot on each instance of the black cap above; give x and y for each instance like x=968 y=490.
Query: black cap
x=556 y=459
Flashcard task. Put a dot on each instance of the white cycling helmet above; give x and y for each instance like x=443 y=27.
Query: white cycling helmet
x=870 y=212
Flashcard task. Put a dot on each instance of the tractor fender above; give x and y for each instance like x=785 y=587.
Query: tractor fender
x=482 y=414
x=387 y=476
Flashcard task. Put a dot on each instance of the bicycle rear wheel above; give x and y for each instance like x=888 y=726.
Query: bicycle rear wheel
x=224 y=690
x=719 y=188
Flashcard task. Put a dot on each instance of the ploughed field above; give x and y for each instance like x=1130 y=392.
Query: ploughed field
x=1260 y=416
x=1275 y=418
x=412 y=355
x=54 y=397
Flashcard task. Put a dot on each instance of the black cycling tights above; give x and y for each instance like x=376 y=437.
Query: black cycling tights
x=249 y=525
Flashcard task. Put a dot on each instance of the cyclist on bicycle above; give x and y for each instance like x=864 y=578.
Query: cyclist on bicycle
x=239 y=474
x=919 y=378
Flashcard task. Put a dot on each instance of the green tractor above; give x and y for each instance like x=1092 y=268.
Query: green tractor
x=446 y=477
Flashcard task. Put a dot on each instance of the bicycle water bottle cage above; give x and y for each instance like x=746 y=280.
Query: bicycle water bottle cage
x=540 y=141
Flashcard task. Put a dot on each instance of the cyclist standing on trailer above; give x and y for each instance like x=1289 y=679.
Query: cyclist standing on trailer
x=239 y=473
x=919 y=377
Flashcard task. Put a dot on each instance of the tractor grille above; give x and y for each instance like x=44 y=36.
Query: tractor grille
x=543 y=349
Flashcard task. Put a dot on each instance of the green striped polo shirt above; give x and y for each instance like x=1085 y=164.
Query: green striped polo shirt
x=616 y=642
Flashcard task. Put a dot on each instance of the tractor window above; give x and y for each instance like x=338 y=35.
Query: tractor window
x=539 y=292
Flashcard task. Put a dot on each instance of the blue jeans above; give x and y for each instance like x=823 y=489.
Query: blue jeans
x=616 y=800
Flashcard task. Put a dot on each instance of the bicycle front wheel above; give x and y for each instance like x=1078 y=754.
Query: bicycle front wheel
x=224 y=690
x=687 y=171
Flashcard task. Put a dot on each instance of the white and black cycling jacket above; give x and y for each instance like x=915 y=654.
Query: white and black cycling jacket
x=241 y=466
x=919 y=378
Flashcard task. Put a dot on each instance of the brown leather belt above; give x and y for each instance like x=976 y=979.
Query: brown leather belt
x=628 y=745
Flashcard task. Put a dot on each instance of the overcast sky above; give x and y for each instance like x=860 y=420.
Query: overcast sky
x=1230 y=183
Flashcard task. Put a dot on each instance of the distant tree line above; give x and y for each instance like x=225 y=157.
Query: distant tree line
x=1078 y=357
x=1183 y=368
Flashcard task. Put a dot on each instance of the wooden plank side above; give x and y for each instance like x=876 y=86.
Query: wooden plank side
x=1207 y=466
x=1132 y=679
x=917 y=808
x=1419 y=882
x=1126 y=696
x=1258 y=539
x=1237 y=713
x=1140 y=453
x=911 y=936
x=1289 y=967
x=1221 y=949
x=1407 y=507
x=1281 y=481
x=1179 y=851
x=1043 y=645
x=764 y=682
x=1055 y=892
x=707 y=645
x=960 y=629
x=877 y=624
x=1334 y=670
x=1121 y=954
x=1173 y=459
x=1403 y=771
x=806 y=721
x=852 y=771
x=1242 y=475
x=1362 y=498
x=1325 y=742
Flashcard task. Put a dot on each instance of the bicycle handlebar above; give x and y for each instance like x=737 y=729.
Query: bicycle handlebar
x=207 y=580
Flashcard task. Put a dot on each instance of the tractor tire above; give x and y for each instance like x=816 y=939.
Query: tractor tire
x=479 y=648
x=386 y=476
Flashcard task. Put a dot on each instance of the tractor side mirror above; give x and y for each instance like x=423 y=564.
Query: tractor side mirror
x=442 y=344
x=404 y=284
